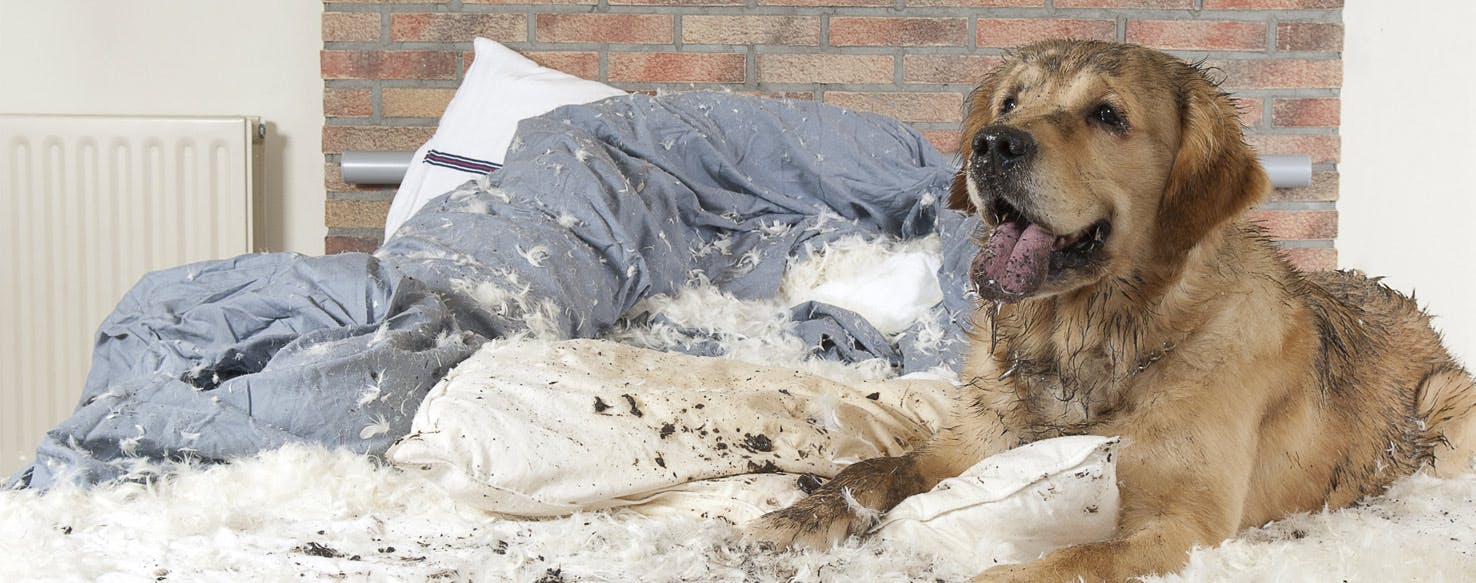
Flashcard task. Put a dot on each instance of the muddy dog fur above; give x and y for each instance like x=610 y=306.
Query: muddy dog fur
x=1123 y=293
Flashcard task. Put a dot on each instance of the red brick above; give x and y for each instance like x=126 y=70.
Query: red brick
x=335 y=245
x=388 y=65
x=947 y=68
x=945 y=141
x=1323 y=37
x=1198 y=35
x=414 y=101
x=827 y=3
x=1324 y=187
x=350 y=26
x=1271 y=4
x=978 y=3
x=678 y=67
x=1009 y=32
x=355 y=214
x=811 y=68
x=1313 y=259
x=1251 y=109
x=1125 y=4
x=458 y=27
x=751 y=30
x=913 y=106
x=1305 y=112
x=1281 y=74
x=347 y=102
x=1322 y=149
x=883 y=31
x=582 y=64
x=374 y=138
x=1297 y=225
x=606 y=28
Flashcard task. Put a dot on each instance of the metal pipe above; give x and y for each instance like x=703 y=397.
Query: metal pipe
x=375 y=167
x=1288 y=170
x=1285 y=170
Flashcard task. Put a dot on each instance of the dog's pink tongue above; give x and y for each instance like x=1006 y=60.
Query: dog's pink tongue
x=1013 y=262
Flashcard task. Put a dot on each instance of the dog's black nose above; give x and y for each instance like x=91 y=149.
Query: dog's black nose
x=1003 y=146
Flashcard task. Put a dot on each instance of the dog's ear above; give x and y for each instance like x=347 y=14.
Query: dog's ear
x=1215 y=175
x=978 y=113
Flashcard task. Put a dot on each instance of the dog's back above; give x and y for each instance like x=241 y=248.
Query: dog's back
x=1378 y=341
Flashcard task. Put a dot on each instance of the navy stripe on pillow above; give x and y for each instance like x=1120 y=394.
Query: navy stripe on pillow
x=462 y=163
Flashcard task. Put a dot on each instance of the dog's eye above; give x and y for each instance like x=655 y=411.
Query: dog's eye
x=1110 y=117
x=1007 y=106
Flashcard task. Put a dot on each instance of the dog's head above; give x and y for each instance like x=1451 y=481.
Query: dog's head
x=1090 y=160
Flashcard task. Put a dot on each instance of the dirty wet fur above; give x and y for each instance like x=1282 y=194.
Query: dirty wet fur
x=1244 y=390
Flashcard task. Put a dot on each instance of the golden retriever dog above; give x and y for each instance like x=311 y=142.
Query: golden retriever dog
x=1125 y=294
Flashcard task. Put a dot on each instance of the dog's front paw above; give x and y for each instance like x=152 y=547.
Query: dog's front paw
x=815 y=523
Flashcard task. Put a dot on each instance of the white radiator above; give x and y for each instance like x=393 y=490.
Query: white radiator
x=87 y=205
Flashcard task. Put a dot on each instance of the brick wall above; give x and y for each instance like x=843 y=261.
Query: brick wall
x=390 y=67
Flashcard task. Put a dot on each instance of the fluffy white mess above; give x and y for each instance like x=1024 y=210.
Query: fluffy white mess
x=844 y=273
x=890 y=284
x=306 y=513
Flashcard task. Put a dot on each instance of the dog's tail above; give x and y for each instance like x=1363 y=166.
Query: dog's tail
x=1447 y=404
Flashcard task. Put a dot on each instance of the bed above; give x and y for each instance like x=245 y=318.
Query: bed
x=658 y=318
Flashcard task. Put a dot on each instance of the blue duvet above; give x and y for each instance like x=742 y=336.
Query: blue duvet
x=597 y=207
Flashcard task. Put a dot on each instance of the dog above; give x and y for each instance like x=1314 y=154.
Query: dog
x=1124 y=293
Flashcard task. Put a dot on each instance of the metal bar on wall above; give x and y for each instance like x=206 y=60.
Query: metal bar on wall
x=1285 y=170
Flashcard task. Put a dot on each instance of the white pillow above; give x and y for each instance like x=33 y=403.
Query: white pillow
x=527 y=428
x=1015 y=506
x=501 y=88
x=533 y=428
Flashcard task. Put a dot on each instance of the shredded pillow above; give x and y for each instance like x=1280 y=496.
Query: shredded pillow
x=501 y=88
x=537 y=429
x=532 y=428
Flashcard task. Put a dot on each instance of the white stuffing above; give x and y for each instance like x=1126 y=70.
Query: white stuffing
x=756 y=331
x=308 y=512
x=890 y=283
x=380 y=334
x=371 y=392
x=568 y=221
x=535 y=255
x=865 y=517
x=379 y=426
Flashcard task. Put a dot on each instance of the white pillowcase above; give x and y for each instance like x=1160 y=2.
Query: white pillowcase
x=501 y=88
x=531 y=428
x=1015 y=506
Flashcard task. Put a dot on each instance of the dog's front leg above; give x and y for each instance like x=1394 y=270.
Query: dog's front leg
x=852 y=502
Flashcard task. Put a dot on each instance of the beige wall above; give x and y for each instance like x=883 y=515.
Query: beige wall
x=1409 y=156
x=191 y=57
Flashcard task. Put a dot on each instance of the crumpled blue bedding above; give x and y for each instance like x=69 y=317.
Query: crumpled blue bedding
x=597 y=207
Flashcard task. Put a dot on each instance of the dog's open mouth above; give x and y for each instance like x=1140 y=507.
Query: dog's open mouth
x=1021 y=254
